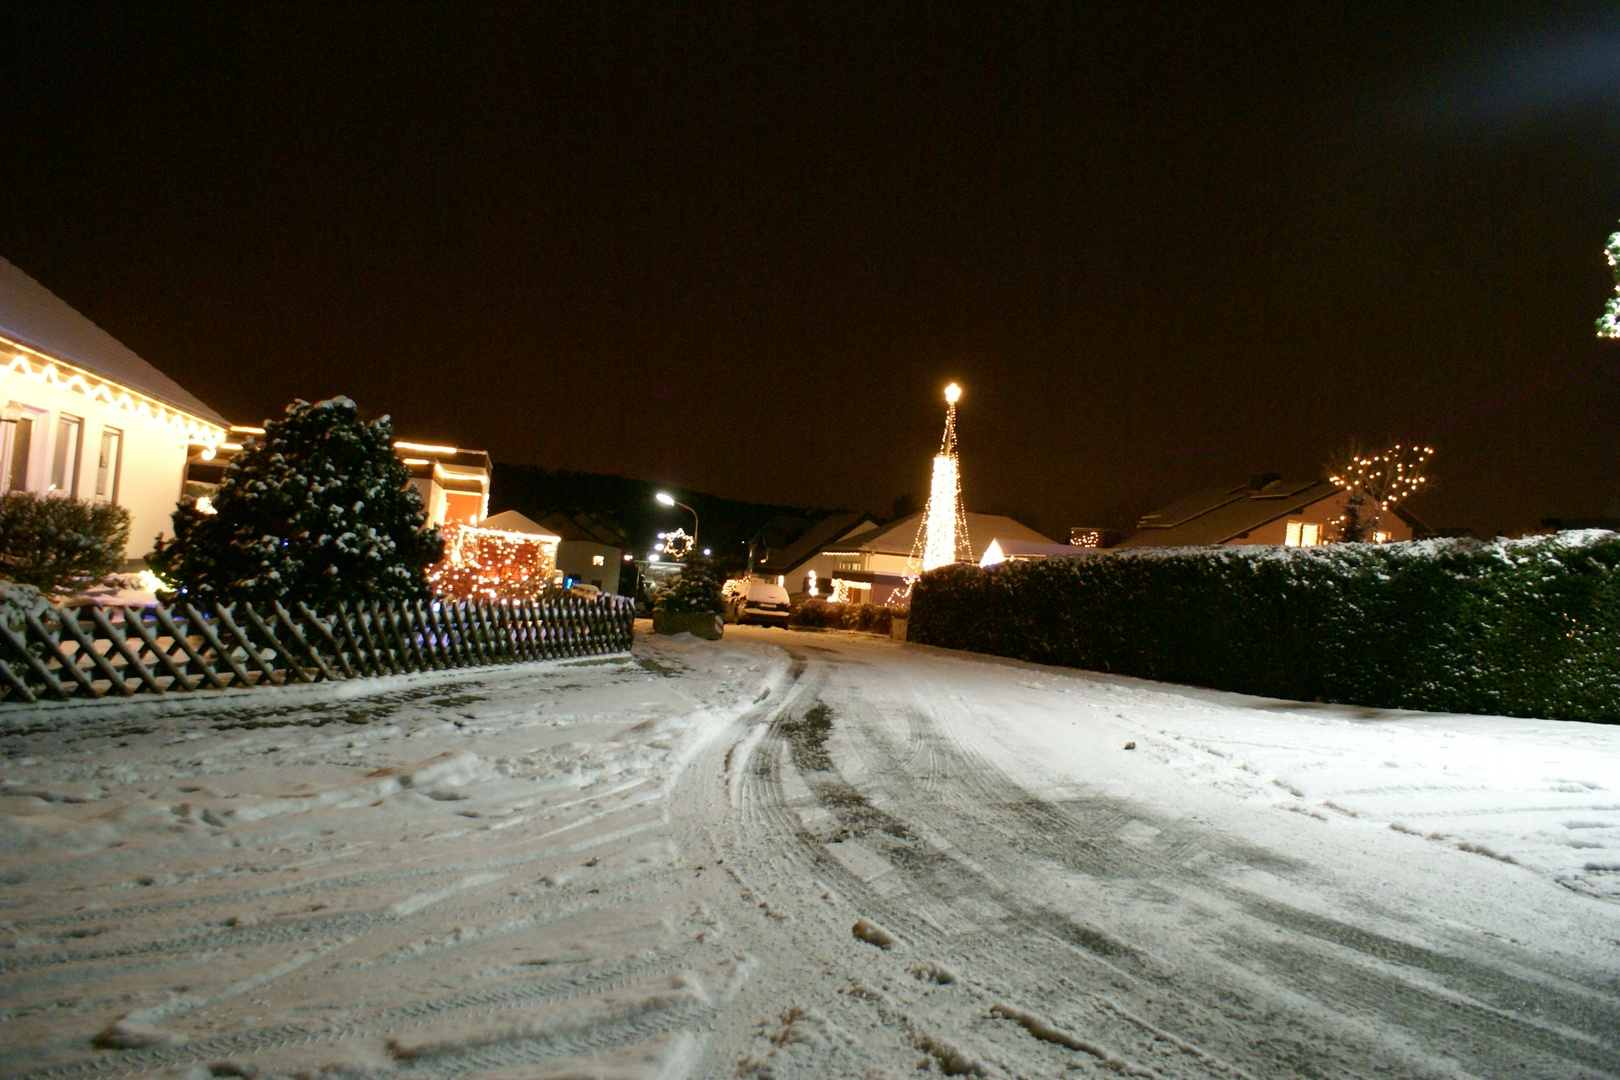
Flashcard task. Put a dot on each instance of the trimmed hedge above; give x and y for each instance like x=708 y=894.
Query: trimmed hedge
x=869 y=618
x=1517 y=628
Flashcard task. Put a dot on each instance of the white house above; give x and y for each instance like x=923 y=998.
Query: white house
x=869 y=566
x=82 y=415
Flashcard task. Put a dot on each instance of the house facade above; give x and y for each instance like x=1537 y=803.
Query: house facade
x=82 y=415
x=1266 y=510
x=869 y=566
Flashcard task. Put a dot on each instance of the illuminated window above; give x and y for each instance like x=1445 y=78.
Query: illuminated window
x=16 y=442
x=849 y=564
x=598 y=560
x=65 y=458
x=1301 y=534
x=1380 y=537
x=112 y=452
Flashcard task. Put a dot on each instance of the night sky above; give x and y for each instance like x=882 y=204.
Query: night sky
x=742 y=248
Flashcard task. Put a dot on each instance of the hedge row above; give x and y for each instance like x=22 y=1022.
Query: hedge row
x=871 y=618
x=1518 y=628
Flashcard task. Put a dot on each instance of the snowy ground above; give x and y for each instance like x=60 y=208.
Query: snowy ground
x=802 y=855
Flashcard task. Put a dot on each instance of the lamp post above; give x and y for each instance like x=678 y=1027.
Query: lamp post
x=669 y=500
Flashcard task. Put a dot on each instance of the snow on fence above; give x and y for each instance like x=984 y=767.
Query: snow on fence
x=92 y=652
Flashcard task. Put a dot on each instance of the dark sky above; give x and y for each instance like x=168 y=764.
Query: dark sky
x=742 y=248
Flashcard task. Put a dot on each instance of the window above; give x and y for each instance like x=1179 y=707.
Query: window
x=16 y=440
x=112 y=453
x=598 y=560
x=1302 y=534
x=849 y=564
x=1380 y=537
x=65 y=457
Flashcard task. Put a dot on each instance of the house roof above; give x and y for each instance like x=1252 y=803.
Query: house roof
x=1222 y=514
x=583 y=527
x=1008 y=549
x=32 y=315
x=899 y=537
x=513 y=522
x=814 y=540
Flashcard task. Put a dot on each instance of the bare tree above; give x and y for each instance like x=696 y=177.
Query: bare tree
x=1374 y=482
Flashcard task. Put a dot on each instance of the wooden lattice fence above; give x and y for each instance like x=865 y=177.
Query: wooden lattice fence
x=92 y=652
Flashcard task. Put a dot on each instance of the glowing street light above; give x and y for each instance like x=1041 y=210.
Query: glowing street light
x=669 y=500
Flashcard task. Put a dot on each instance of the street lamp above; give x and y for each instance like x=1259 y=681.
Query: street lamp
x=669 y=500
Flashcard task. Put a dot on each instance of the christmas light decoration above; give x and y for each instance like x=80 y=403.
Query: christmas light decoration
x=675 y=544
x=942 y=536
x=1375 y=483
x=37 y=366
x=492 y=564
x=1608 y=324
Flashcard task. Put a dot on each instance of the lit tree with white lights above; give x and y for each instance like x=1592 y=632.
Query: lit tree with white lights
x=1374 y=483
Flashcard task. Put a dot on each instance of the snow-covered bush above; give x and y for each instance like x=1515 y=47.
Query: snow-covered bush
x=1522 y=628
x=17 y=602
x=696 y=590
x=60 y=544
x=870 y=618
x=320 y=510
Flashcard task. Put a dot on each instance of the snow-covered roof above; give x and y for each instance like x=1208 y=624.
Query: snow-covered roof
x=899 y=537
x=1222 y=514
x=513 y=522
x=1000 y=549
x=32 y=315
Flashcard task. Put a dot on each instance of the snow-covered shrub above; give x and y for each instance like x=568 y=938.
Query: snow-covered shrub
x=696 y=590
x=60 y=544
x=870 y=618
x=320 y=510
x=1523 y=628
x=19 y=601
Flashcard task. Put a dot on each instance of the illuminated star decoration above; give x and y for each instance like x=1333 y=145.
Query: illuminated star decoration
x=1608 y=324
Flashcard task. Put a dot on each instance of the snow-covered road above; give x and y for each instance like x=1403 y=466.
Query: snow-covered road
x=802 y=855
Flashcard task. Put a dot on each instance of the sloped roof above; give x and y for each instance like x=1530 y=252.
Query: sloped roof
x=33 y=315
x=1222 y=514
x=813 y=541
x=513 y=522
x=1029 y=549
x=898 y=538
x=583 y=527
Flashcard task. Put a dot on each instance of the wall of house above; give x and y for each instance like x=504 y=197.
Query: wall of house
x=145 y=477
x=575 y=558
x=1324 y=515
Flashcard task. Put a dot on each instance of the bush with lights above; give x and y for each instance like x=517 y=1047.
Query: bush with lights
x=1519 y=628
x=60 y=544
x=696 y=590
x=319 y=510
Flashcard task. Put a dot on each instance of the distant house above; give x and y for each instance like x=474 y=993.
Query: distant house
x=591 y=550
x=1266 y=510
x=82 y=415
x=802 y=564
x=871 y=565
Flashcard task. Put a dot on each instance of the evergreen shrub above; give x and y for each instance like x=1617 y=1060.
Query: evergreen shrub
x=320 y=509
x=830 y=615
x=60 y=544
x=696 y=590
x=1518 y=628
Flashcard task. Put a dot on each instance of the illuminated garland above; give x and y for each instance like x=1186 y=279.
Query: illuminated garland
x=491 y=564
x=69 y=377
x=942 y=536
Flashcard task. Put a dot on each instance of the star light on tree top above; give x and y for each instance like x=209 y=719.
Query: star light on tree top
x=1608 y=324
